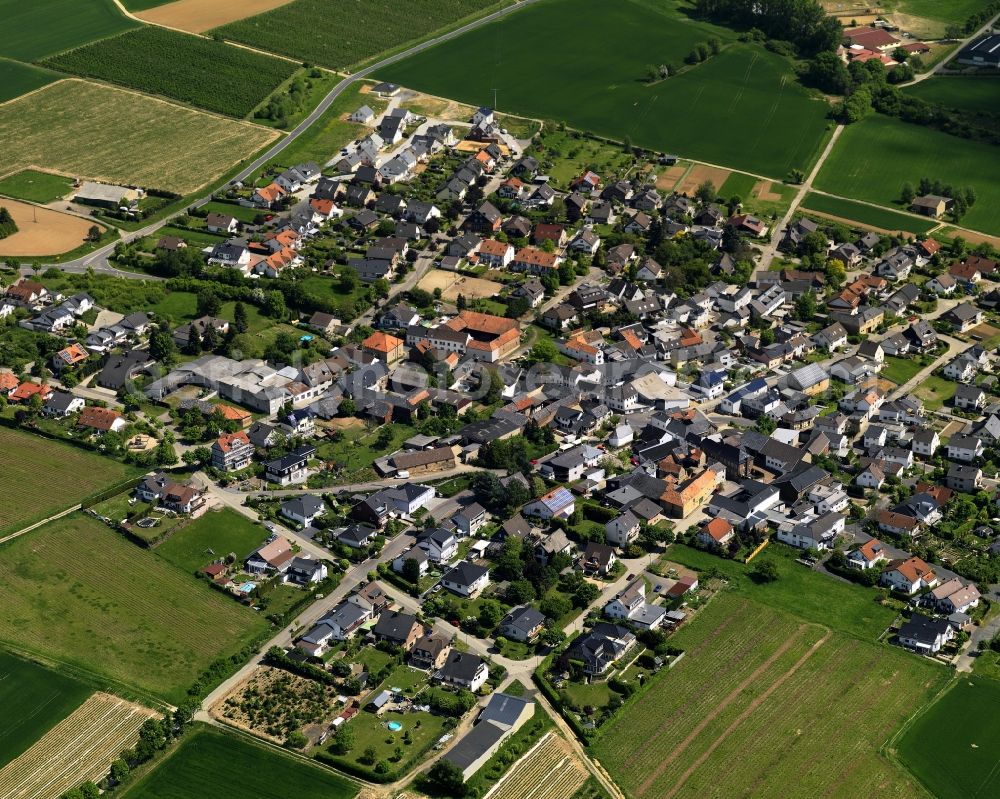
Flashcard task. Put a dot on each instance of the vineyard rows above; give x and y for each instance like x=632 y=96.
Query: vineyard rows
x=200 y=72
x=81 y=747
x=70 y=474
x=338 y=33
x=549 y=771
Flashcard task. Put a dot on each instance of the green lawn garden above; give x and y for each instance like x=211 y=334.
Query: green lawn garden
x=38 y=187
x=224 y=531
x=899 y=370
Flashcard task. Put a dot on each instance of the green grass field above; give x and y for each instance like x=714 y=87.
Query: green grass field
x=33 y=699
x=965 y=763
x=337 y=33
x=39 y=187
x=899 y=370
x=738 y=184
x=222 y=531
x=866 y=215
x=801 y=591
x=233 y=210
x=875 y=157
x=935 y=391
x=974 y=95
x=47 y=477
x=942 y=10
x=764 y=704
x=208 y=757
x=194 y=70
x=46 y=27
x=76 y=591
x=742 y=108
x=17 y=78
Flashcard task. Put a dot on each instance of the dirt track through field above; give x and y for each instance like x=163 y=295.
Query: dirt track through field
x=749 y=711
x=42 y=231
x=198 y=16
x=730 y=698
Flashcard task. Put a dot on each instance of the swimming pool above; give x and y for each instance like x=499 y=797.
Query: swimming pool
x=395 y=726
x=247 y=587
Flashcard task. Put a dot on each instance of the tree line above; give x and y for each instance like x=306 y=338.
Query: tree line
x=802 y=23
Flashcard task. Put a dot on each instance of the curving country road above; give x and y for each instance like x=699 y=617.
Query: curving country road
x=98 y=259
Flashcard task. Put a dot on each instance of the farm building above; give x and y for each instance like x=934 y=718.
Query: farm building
x=104 y=195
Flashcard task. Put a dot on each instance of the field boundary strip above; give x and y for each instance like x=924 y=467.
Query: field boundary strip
x=36 y=525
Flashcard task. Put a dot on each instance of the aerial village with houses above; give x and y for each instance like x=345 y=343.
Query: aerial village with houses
x=553 y=418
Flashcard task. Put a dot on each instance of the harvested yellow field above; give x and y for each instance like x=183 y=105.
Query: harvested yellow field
x=42 y=231
x=79 y=748
x=90 y=130
x=198 y=16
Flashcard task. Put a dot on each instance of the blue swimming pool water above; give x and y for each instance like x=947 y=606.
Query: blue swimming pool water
x=246 y=588
x=395 y=726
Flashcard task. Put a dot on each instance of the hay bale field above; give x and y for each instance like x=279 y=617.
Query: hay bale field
x=42 y=231
x=198 y=16
x=120 y=136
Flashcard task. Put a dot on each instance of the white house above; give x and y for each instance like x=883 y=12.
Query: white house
x=818 y=533
x=439 y=545
x=466 y=579
x=908 y=575
x=965 y=448
x=415 y=554
x=622 y=530
x=303 y=510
